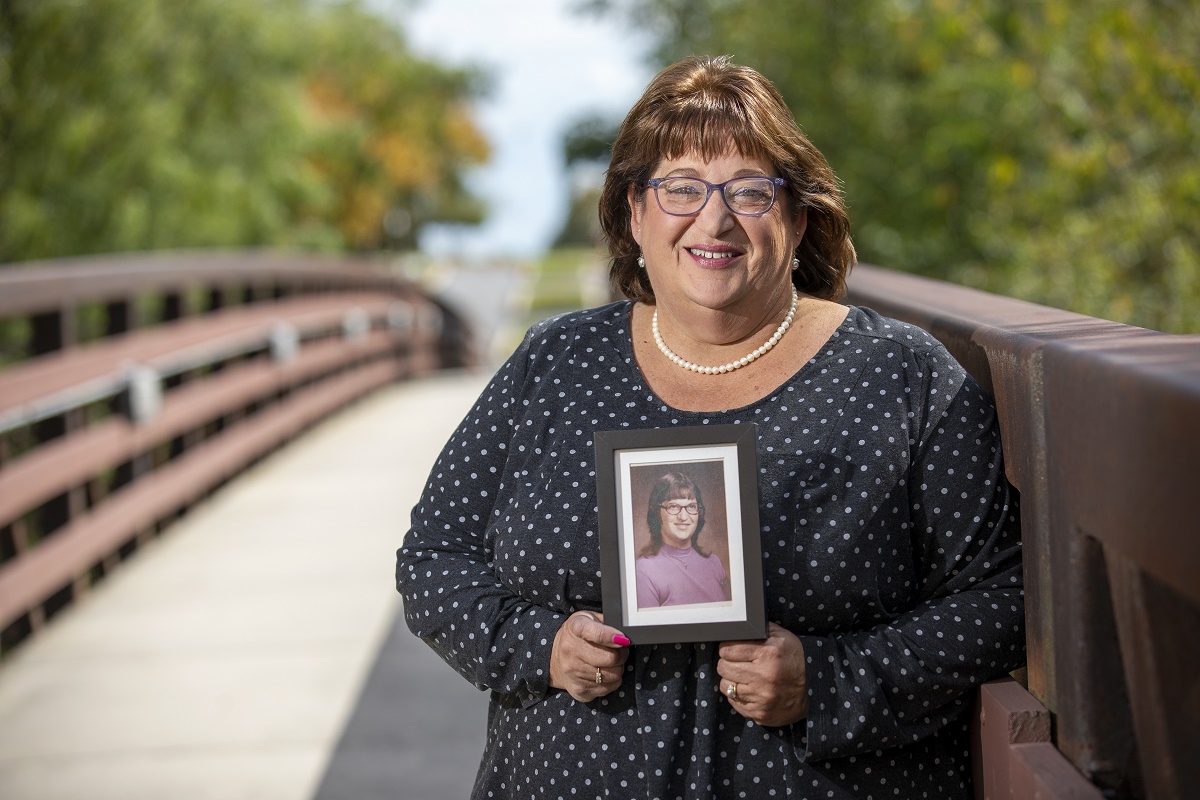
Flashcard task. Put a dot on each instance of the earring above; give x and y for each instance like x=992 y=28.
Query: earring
x=642 y=262
x=795 y=264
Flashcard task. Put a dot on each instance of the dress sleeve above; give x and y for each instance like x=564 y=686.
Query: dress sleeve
x=903 y=680
x=453 y=599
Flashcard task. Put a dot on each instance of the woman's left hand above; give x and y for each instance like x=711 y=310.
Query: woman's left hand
x=769 y=677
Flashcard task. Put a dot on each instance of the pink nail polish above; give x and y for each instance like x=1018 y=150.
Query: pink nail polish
x=621 y=640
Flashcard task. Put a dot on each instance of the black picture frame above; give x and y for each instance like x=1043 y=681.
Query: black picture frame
x=723 y=459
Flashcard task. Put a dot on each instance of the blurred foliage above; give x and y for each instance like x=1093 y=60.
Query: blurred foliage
x=145 y=124
x=589 y=139
x=1044 y=150
x=396 y=134
x=586 y=150
x=581 y=228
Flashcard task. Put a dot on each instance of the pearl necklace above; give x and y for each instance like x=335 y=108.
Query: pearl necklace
x=737 y=363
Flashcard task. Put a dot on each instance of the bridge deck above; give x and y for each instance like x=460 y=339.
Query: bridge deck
x=257 y=649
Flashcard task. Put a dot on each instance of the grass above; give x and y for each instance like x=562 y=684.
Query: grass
x=567 y=279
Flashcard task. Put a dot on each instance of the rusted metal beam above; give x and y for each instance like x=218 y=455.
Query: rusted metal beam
x=1159 y=635
x=1125 y=436
x=1012 y=756
x=1101 y=423
x=1039 y=772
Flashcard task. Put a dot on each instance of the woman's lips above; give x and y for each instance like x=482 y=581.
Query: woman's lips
x=713 y=256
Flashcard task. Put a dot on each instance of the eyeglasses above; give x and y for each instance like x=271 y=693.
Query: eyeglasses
x=675 y=509
x=747 y=197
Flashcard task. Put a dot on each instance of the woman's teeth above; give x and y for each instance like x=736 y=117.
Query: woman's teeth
x=709 y=253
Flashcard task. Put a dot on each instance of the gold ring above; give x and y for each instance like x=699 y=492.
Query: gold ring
x=731 y=692
x=599 y=676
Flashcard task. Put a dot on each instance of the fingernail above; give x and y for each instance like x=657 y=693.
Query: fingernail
x=621 y=640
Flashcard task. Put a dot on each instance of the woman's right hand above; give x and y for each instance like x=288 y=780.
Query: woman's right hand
x=583 y=649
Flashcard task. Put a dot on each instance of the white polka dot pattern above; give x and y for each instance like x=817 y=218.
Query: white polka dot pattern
x=890 y=546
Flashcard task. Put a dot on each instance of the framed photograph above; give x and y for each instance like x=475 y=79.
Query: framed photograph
x=680 y=555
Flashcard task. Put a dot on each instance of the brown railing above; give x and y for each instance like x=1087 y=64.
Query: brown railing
x=1101 y=426
x=134 y=386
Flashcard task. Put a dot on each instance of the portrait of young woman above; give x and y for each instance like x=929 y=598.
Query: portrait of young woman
x=672 y=567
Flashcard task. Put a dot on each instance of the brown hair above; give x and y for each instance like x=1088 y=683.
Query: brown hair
x=702 y=105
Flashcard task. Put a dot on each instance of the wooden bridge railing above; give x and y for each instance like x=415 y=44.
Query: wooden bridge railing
x=134 y=386
x=1101 y=426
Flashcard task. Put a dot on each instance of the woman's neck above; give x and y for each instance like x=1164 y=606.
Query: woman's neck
x=815 y=321
x=711 y=335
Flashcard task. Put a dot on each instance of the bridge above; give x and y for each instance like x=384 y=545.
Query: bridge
x=207 y=461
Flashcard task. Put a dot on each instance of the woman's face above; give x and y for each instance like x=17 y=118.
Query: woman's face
x=716 y=259
x=678 y=529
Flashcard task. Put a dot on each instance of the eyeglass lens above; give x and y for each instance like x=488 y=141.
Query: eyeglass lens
x=750 y=196
x=675 y=508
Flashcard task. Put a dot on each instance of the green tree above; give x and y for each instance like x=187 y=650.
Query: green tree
x=1105 y=217
x=144 y=124
x=1043 y=150
x=394 y=132
x=587 y=148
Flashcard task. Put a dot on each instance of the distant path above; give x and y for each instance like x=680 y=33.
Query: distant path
x=417 y=728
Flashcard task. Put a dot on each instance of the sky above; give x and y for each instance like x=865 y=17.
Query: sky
x=549 y=67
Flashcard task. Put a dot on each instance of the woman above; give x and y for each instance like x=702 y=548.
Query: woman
x=673 y=569
x=890 y=540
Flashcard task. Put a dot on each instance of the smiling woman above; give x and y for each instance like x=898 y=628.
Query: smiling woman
x=890 y=547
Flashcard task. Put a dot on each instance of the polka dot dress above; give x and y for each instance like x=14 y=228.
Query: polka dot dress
x=890 y=547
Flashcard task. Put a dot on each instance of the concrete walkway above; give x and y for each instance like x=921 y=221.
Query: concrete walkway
x=227 y=660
